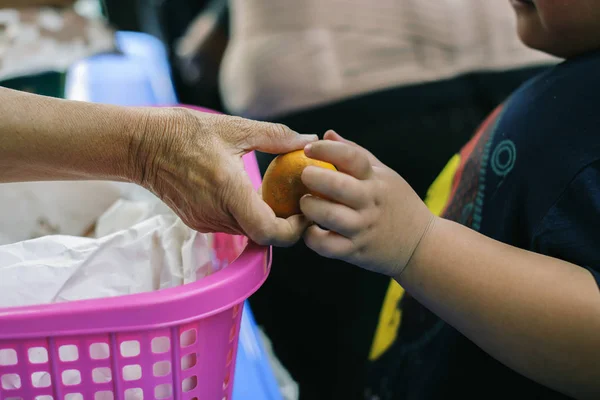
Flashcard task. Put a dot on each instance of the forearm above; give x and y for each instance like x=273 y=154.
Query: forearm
x=43 y=138
x=536 y=314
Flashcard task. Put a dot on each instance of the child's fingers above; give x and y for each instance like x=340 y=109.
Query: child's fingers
x=336 y=186
x=334 y=136
x=352 y=160
x=327 y=244
x=332 y=216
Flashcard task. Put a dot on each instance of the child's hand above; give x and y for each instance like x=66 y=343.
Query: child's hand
x=374 y=219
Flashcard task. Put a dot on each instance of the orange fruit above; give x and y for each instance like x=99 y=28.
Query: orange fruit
x=282 y=185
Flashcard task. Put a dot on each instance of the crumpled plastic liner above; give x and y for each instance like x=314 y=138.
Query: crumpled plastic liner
x=158 y=253
x=29 y=210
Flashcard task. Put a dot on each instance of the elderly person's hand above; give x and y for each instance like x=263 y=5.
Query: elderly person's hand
x=191 y=160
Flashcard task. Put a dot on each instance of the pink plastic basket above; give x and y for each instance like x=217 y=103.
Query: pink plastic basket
x=178 y=343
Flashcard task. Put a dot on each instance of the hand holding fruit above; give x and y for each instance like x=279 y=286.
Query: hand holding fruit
x=361 y=209
x=282 y=186
x=194 y=164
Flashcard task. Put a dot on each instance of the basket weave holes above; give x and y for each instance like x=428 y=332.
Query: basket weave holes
x=130 y=348
x=227 y=379
x=188 y=361
x=161 y=344
x=163 y=391
x=232 y=333
x=11 y=382
x=71 y=377
x=68 y=353
x=101 y=375
x=37 y=355
x=132 y=372
x=105 y=395
x=8 y=357
x=188 y=337
x=161 y=368
x=189 y=384
x=99 y=351
x=229 y=358
x=134 y=394
x=40 y=379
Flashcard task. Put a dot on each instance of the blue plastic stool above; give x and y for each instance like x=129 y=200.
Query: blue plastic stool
x=141 y=77
x=254 y=377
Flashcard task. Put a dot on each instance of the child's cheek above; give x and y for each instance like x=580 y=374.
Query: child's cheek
x=563 y=28
x=570 y=19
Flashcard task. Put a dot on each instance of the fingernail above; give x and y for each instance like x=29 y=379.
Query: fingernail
x=307 y=148
x=312 y=138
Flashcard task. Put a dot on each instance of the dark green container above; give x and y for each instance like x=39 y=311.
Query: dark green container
x=46 y=83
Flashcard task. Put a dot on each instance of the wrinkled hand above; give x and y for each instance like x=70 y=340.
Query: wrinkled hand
x=193 y=162
x=374 y=219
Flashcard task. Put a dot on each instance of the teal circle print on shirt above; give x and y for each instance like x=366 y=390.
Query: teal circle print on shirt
x=504 y=157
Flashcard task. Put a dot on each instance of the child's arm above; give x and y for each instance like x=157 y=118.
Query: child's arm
x=538 y=315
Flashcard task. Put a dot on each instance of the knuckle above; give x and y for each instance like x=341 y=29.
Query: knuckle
x=330 y=217
x=337 y=188
x=278 y=130
x=261 y=238
x=235 y=129
x=238 y=129
x=379 y=189
x=321 y=245
x=355 y=226
x=359 y=253
x=313 y=242
x=237 y=123
x=350 y=155
x=262 y=234
x=363 y=156
x=273 y=131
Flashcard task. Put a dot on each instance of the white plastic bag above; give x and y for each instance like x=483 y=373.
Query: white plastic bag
x=34 y=209
x=158 y=253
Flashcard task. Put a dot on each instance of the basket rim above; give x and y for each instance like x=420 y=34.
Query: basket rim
x=143 y=311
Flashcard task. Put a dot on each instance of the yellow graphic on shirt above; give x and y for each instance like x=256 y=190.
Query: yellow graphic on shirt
x=440 y=190
x=389 y=321
x=390 y=316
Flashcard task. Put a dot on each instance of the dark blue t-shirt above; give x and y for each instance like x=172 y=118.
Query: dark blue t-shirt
x=529 y=178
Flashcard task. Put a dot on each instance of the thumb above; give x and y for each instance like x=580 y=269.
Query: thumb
x=274 y=138
x=258 y=221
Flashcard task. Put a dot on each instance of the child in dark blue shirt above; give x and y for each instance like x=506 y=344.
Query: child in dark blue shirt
x=494 y=289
